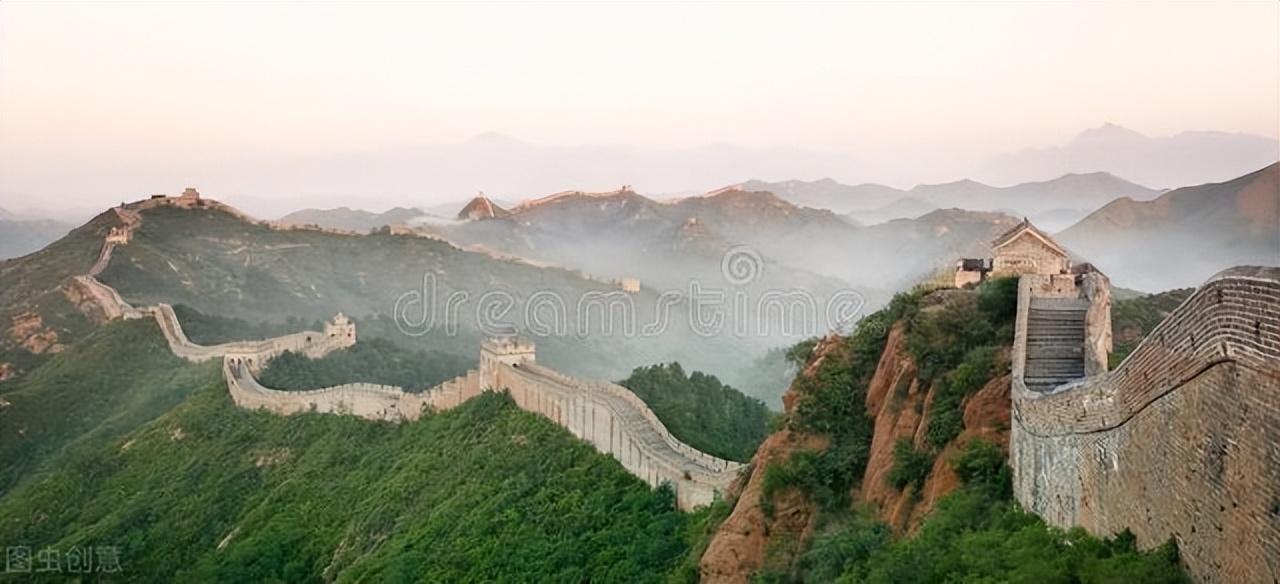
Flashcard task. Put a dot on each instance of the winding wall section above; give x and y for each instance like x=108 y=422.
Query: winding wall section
x=1181 y=441
x=609 y=416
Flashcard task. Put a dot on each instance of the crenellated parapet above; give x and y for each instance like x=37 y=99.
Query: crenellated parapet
x=1179 y=441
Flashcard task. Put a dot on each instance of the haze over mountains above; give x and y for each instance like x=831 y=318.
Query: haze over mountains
x=1052 y=203
x=1187 y=158
x=512 y=169
x=1186 y=235
x=21 y=235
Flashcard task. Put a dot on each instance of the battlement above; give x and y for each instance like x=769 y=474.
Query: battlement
x=509 y=350
x=1178 y=441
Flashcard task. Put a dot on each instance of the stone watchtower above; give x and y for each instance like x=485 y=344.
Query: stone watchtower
x=1027 y=250
x=340 y=330
x=1019 y=251
x=496 y=352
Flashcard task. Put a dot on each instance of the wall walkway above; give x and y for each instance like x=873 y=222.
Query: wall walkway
x=1181 y=441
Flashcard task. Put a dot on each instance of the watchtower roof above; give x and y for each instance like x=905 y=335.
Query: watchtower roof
x=1025 y=227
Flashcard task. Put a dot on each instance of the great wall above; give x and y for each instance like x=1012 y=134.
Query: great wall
x=1181 y=441
x=606 y=415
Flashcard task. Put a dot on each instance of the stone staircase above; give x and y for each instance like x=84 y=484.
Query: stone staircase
x=1055 y=342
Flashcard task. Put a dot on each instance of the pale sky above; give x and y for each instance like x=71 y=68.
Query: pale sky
x=107 y=90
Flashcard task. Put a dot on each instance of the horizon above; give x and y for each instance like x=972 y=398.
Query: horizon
x=292 y=105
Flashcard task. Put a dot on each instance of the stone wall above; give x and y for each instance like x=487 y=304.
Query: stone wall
x=608 y=416
x=1026 y=255
x=619 y=423
x=1180 y=441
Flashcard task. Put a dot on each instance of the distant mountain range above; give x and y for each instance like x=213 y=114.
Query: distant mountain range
x=667 y=244
x=1188 y=158
x=1185 y=235
x=353 y=219
x=20 y=235
x=1052 y=204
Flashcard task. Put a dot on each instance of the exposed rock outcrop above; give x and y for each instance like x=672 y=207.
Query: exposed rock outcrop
x=901 y=406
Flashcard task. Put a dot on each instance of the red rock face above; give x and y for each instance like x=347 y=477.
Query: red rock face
x=901 y=406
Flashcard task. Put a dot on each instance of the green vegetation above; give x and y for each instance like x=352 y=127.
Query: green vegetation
x=832 y=403
x=947 y=418
x=247 y=271
x=1132 y=319
x=370 y=360
x=208 y=492
x=955 y=338
x=768 y=376
x=702 y=526
x=952 y=323
x=33 y=284
x=205 y=329
x=701 y=411
x=977 y=534
x=117 y=379
x=910 y=466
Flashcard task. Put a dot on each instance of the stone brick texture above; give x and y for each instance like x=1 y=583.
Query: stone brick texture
x=1181 y=441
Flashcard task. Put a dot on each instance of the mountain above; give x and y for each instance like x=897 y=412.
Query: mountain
x=669 y=244
x=829 y=194
x=1069 y=191
x=620 y=234
x=220 y=263
x=1187 y=158
x=21 y=234
x=412 y=176
x=871 y=203
x=351 y=219
x=1185 y=235
x=120 y=447
x=904 y=208
x=890 y=465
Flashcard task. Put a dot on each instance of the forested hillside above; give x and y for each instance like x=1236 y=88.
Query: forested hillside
x=701 y=411
x=891 y=464
x=221 y=265
x=1133 y=318
x=208 y=492
x=370 y=361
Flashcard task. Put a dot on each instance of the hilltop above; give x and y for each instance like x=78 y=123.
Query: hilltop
x=666 y=244
x=1185 y=235
x=1186 y=158
x=1049 y=202
x=218 y=262
x=352 y=219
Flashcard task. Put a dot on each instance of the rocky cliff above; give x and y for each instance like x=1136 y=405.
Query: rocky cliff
x=769 y=526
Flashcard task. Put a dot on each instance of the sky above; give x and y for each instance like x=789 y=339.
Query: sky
x=101 y=101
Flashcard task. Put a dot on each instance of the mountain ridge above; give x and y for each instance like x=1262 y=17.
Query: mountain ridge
x=1185 y=235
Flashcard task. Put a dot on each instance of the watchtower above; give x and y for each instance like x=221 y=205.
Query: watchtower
x=340 y=330
x=498 y=352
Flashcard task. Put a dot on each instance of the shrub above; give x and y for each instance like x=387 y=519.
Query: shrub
x=910 y=466
x=947 y=417
x=998 y=299
x=701 y=411
x=981 y=465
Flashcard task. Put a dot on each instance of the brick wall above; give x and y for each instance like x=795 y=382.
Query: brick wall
x=1181 y=441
